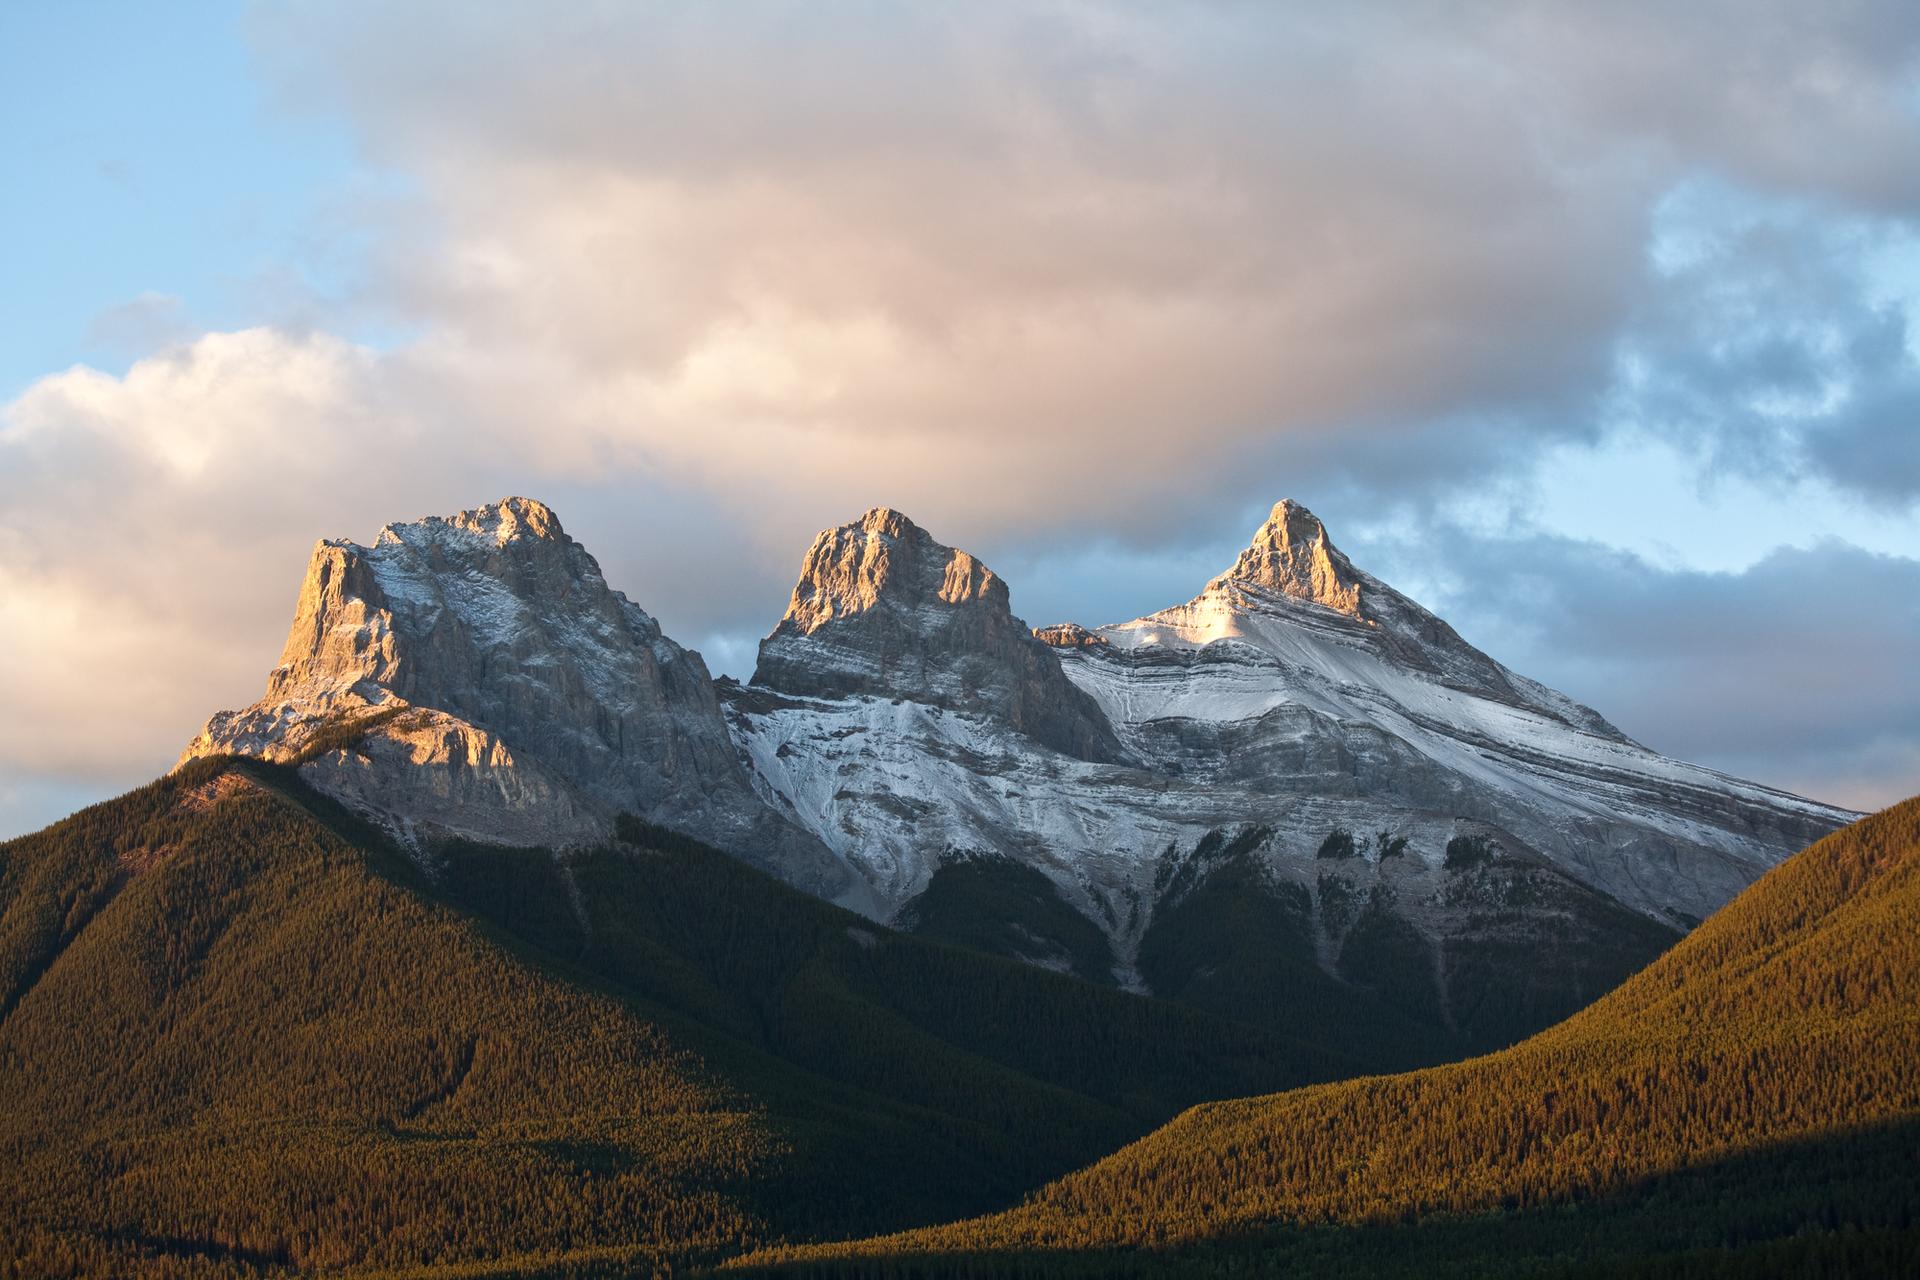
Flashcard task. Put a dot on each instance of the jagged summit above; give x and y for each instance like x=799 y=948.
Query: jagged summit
x=520 y=698
x=369 y=620
x=1296 y=596
x=1296 y=706
x=883 y=610
x=503 y=522
x=1292 y=554
x=884 y=559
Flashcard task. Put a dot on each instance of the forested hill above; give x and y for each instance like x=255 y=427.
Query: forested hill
x=241 y=1033
x=1751 y=1101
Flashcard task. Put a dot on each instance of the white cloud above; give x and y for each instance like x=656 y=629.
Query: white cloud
x=154 y=526
x=834 y=250
x=151 y=526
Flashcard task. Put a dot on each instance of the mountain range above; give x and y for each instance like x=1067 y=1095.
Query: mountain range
x=1296 y=795
x=498 y=939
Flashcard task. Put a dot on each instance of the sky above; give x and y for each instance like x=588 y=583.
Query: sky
x=1591 y=327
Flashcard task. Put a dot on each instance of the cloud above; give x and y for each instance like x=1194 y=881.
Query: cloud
x=1774 y=347
x=154 y=528
x=1797 y=671
x=151 y=526
x=140 y=326
x=829 y=251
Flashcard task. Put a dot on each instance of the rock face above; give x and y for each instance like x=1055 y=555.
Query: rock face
x=509 y=695
x=882 y=610
x=1335 y=734
x=1295 y=674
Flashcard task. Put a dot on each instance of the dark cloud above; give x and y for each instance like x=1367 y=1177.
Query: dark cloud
x=1871 y=443
x=1776 y=346
x=1799 y=671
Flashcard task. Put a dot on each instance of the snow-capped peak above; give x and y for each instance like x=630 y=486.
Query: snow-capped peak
x=1296 y=596
x=900 y=713
x=538 y=702
x=1296 y=694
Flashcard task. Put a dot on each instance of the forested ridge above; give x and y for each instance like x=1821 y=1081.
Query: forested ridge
x=1338 y=962
x=241 y=1033
x=1747 y=1103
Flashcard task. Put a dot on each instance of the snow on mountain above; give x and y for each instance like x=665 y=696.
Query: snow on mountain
x=1296 y=694
x=1391 y=795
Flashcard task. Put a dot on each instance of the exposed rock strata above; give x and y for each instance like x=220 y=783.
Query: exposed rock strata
x=1067 y=635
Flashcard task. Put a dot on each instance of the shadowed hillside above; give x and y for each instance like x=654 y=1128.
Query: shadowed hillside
x=1756 y=1090
x=241 y=1033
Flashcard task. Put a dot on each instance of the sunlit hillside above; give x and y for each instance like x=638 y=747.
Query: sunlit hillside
x=1756 y=1089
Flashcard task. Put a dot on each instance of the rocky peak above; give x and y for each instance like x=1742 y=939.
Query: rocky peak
x=882 y=609
x=508 y=520
x=1291 y=554
x=1291 y=562
x=419 y=613
x=885 y=560
x=515 y=694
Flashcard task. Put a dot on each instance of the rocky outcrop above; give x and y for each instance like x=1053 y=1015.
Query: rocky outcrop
x=1297 y=677
x=1067 y=635
x=1292 y=584
x=882 y=610
x=538 y=701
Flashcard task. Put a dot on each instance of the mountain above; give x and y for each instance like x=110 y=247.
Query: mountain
x=881 y=610
x=499 y=689
x=1300 y=797
x=446 y=957
x=1748 y=1105
x=243 y=1032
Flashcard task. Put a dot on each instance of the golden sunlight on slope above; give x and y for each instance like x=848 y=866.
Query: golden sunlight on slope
x=1793 y=1013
